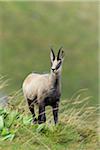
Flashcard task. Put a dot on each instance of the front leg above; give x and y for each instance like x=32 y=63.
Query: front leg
x=41 y=117
x=55 y=108
x=31 y=108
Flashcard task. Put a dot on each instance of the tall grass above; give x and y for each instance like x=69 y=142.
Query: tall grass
x=77 y=128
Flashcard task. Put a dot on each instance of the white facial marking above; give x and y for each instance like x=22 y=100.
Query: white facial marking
x=54 y=64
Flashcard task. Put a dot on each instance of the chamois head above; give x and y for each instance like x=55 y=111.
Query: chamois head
x=56 y=61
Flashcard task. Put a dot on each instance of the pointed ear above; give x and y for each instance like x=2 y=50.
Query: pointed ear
x=60 y=54
x=52 y=55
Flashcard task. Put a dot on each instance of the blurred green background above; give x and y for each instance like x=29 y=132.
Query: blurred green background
x=29 y=29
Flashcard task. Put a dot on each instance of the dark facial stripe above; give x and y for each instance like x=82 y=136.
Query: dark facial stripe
x=57 y=67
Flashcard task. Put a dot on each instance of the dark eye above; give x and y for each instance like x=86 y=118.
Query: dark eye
x=59 y=64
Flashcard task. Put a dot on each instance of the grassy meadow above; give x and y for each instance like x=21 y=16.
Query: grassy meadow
x=77 y=128
x=27 y=31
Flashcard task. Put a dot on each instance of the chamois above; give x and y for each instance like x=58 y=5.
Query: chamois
x=45 y=89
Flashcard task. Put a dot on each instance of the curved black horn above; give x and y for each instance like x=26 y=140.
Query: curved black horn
x=59 y=53
x=53 y=53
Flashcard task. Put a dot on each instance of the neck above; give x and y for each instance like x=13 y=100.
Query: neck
x=55 y=79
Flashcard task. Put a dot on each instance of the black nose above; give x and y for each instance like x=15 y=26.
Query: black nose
x=53 y=70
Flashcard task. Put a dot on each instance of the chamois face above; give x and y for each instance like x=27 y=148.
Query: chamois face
x=56 y=62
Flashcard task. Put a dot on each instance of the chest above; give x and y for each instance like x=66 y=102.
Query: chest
x=52 y=97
